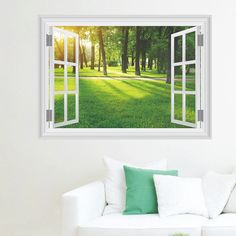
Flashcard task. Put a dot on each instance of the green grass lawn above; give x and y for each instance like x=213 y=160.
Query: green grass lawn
x=122 y=103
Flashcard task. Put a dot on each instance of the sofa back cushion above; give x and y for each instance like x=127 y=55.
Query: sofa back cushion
x=217 y=189
x=231 y=204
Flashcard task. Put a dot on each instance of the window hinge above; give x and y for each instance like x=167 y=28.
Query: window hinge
x=49 y=40
x=200 y=40
x=48 y=115
x=200 y=115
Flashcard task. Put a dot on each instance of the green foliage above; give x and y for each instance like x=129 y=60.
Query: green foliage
x=153 y=38
x=113 y=63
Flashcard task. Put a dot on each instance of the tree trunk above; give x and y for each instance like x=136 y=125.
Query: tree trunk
x=161 y=61
x=122 y=48
x=132 y=59
x=168 y=78
x=104 y=63
x=74 y=58
x=84 y=55
x=81 y=57
x=125 y=50
x=92 y=56
x=150 y=63
x=137 y=56
x=99 y=59
x=143 y=59
x=144 y=55
x=155 y=63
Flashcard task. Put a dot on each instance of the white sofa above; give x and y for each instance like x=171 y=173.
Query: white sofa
x=83 y=209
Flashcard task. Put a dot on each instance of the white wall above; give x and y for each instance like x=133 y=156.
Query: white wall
x=34 y=172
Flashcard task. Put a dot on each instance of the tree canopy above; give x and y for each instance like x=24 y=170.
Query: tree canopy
x=144 y=47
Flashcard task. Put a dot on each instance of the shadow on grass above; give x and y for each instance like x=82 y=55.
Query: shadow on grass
x=115 y=88
x=145 y=87
x=104 y=105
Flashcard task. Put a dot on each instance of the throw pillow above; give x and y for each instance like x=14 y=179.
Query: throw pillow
x=140 y=190
x=178 y=195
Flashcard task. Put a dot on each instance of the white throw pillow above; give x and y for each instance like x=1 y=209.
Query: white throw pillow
x=217 y=189
x=115 y=187
x=231 y=204
x=178 y=195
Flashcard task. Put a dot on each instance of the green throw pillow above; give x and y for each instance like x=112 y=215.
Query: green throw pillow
x=140 y=190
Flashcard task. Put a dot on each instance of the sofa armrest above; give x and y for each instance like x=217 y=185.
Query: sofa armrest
x=81 y=205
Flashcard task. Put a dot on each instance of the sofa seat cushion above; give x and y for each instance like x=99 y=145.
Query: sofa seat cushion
x=223 y=225
x=143 y=225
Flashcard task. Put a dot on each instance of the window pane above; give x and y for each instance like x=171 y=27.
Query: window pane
x=178 y=107
x=71 y=81
x=71 y=106
x=59 y=46
x=190 y=108
x=178 y=78
x=58 y=77
x=190 y=77
x=190 y=46
x=178 y=48
x=59 y=108
x=71 y=49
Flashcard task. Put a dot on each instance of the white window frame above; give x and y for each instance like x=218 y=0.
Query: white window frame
x=183 y=63
x=65 y=92
x=200 y=132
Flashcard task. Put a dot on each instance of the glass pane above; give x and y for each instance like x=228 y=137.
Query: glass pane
x=178 y=107
x=178 y=48
x=58 y=77
x=178 y=78
x=190 y=108
x=190 y=77
x=71 y=106
x=71 y=78
x=59 y=46
x=71 y=71
x=59 y=108
x=71 y=49
x=190 y=46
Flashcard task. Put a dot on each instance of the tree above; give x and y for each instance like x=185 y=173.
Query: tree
x=92 y=56
x=171 y=30
x=137 y=56
x=84 y=55
x=81 y=57
x=125 y=49
x=132 y=44
x=132 y=58
x=101 y=45
x=144 y=45
x=150 y=62
x=99 y=59
x=93 y=39
x=143 y=49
